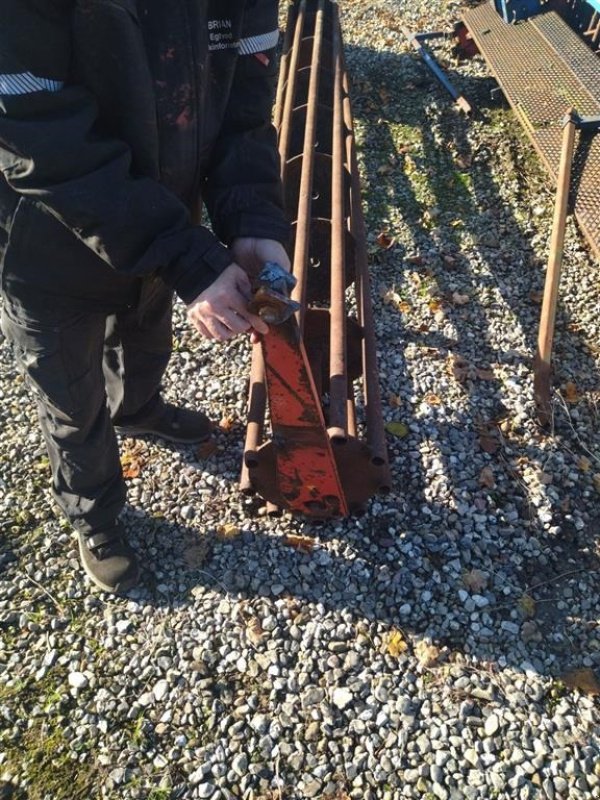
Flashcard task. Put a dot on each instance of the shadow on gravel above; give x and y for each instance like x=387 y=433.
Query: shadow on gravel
x=379 y=569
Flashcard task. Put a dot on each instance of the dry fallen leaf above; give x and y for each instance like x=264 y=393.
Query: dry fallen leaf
x=196 y=554
x=485 y=374
x=427 y=654
x=474 y=580
x=583 y=679
x=254 y=631
x=206 y=449
x=571 y=394
x=133 y=460
x=459 y=367
x=384 y=240
x=227 y=424
x=395 y=644
x=527 y=605
x=302 y=543
x=391 y=297
x=432 y=399
x=489 y=443
x=404 y=307
x=394 y=400
x=486 y=478
x=398 y=429
x=584 y=464
x=530 y=632
x=228 y=530
x=460 y=299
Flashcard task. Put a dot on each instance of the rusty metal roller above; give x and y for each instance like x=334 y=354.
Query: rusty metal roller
x=308 y=368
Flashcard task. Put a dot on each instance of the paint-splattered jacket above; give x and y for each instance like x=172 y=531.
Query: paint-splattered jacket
x=115 y=117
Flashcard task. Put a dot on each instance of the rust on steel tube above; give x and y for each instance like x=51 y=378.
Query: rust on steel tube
x=286 y=114
x=338 y=375
x=306 y=177
x=257 y=402
x=375 y=430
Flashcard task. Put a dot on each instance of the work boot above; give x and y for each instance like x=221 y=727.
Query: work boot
x=170 y=422
x=109 y=561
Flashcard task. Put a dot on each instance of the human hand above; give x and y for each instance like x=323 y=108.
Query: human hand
x=252 y=253
x=221 y=311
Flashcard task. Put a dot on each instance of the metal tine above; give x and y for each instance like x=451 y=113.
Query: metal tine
x=338 y=374
x=301 y=248
x=285 y=131
x=372 y=394
x=257 y=402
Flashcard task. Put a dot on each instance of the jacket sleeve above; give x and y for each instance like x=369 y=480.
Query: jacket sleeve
x=243 y=191
x=51 y=152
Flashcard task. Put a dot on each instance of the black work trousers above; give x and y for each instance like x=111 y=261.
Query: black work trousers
x=88 y=371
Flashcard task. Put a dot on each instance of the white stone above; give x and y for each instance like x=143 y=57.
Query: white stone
x=342 y=698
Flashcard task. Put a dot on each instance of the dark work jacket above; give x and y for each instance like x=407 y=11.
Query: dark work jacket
x=116 y=117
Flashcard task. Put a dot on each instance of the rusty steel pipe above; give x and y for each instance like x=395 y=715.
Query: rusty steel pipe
x=338 y=377
x=316 y=461
x=301 y=253
x=289 y=78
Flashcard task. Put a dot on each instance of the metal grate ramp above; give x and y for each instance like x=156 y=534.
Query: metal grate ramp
x=544 y=69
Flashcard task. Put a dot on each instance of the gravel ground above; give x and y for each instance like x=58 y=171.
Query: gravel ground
x=445 y=644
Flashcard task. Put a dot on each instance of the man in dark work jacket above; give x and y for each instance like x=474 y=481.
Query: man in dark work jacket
x=116 y=118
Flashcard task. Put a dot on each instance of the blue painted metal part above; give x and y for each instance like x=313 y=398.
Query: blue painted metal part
x=516 y=10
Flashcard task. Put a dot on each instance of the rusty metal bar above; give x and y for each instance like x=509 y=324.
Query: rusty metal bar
x=289 y=78
x=372 y=393
x=257 y=403
x=338 y=376
x=316 y=462
x=284 y=65
x=301 y=251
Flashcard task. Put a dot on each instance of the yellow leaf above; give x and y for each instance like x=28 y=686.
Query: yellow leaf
x=435 y=305
x=302 y=543
x=527 y=605
x=583 y=679
x=395 y=644
x=398 y=429
x=475 y=580
x=404 y=307
x=228 y=530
